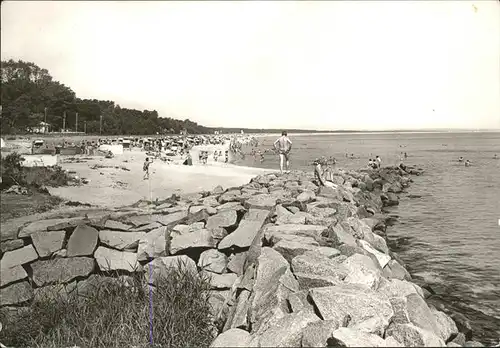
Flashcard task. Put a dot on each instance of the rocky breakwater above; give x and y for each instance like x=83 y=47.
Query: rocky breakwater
x=289 y=263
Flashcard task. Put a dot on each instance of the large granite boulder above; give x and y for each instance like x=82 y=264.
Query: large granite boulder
x=225 y=218
x=316 y=334
x=9 y=245
x=357 y=301
x=18 y=257
x=446 y=327
x=61 y=270
x=362 y=270
x=264 y=201
x=15 y=294
x=232 y=338
x=12 y=274
x=82 y=241
x=412 y=336
x=273 y=283
x=213 y=261
x=161 y=266
x=287 y=331
x=114 y=260
x=196 y=239
x=152 y=245
x=48 y=242
x=348 y=337
x=121 y=240
x=248 y=228
x=46 y=225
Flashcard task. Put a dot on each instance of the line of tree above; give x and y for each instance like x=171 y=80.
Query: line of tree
x=30 y=96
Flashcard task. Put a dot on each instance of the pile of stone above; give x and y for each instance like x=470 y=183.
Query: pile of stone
x=290 y=263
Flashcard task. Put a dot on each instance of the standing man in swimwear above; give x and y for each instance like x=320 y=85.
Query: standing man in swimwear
x=283 y=146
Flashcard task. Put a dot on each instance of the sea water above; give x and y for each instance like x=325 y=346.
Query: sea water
x=448 y=232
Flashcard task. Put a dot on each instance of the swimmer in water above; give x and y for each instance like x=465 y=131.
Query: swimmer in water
x=467 y=163
x=495 y=157
x=460 y=159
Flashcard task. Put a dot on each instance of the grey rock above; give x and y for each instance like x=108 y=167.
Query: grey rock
x=446 y=327
x=61 y=270
x=161 y=266
x=244 y=235
x=240 y=318
x=12 y=244
x=317 y=333
x=12 y=274
x=113 y=260
x=196 y=239
x=348 y=337
x=16 y=294
x=312 y=263
x=273 y=284
x=225 y=218
x=121 y=240
x=420 y=314
x=116 y=225
x=357 y=301
x=232 y=338
x=290 y=249
x=220 y=281
x=362 y=270
x=411 y=336
x=48 y=242
x=287 y=331
x=152 y=245
x=18 y=257
x=236 y=263
x=264 y=201
x=44 y=225
x=213 y=261
x=82 y=241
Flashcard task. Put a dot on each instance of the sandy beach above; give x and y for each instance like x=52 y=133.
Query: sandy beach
x=119 y=181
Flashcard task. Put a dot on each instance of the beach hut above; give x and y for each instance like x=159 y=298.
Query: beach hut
x=126 y=143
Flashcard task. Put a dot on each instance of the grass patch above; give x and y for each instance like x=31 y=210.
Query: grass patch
x=13 y=205
x=117 y=314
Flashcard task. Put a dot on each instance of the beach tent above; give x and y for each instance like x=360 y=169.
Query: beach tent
x=2 y=143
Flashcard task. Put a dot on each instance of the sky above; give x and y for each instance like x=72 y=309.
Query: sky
x=323 y=65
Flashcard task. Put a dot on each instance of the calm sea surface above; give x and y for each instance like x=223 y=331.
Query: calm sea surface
x=449 y=233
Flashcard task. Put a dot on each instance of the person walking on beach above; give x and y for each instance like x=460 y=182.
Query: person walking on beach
x=283 y=146
x=145 y=168
x=378 y=160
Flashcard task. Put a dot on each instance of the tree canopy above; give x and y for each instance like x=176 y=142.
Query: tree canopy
x=28 y=92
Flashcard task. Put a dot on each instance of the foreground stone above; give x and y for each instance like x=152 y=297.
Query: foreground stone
x=248 y=228
x=152 y=245
x=16 y=294
x=48 y=242
x=12 y=274
x=196 y=239
x=287 y=332
x=114 y=260
x=357 y=301
x=83 y=241
x=232 y=338
x=18 y=257
x=213 y=261
x=61 y=270
x=411 y=336
x=161 y=267
x=121 y=240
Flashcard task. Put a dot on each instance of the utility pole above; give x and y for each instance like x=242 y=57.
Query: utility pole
x=45 y=111
x=76 y=122
x=100 y=126
x=64 y=121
